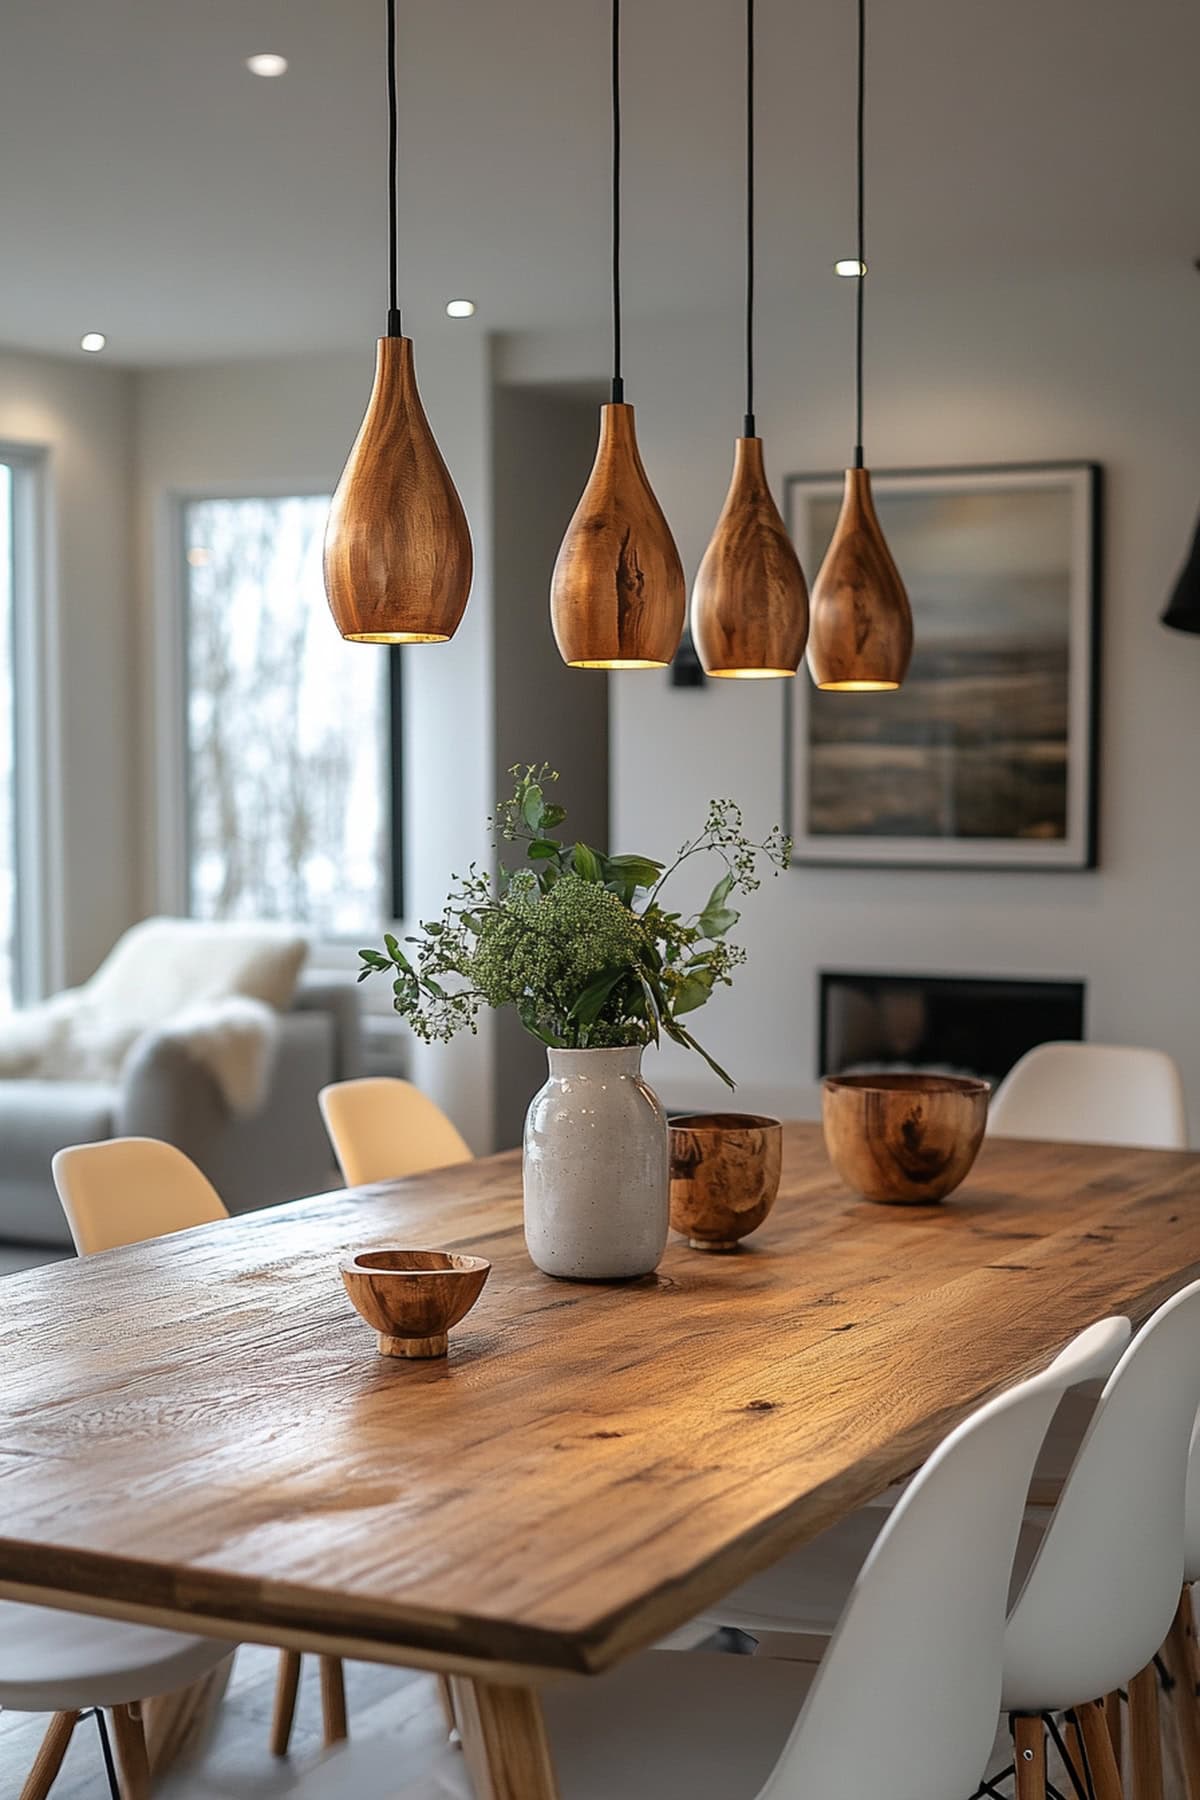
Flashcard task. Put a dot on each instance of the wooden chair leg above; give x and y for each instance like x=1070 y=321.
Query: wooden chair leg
x=50 y=1757
x=1097 y=1741
x=1075 y=1752
x=1145 y=1747
x=1181 y=1661
x=1113 y=1719
x=446 y=1698
x=1029 y=1752
x=133 y=1765
x=333 y=1700
x=285 y=1701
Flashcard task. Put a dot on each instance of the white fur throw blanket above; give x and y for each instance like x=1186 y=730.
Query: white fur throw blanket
x=216 y=990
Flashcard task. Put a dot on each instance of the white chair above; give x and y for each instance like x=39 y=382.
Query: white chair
x=1092 y=1094
x=904 y=1703
x=382 y=1129
x=123 y=1191
x=69 y=1664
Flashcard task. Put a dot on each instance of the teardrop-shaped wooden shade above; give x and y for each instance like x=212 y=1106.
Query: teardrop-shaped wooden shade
x=617 y=596
x=750 y=599
x=861 y=632
x=397 y=546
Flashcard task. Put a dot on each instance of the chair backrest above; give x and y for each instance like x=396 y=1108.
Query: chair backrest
x=126 y=1189
x=1092 y=1094
x=382 y=1128
x=1100 y=1595
x=906 y=1698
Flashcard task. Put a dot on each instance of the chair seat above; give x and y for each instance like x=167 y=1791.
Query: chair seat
x=806 y=1592
x=53 y=1661
x=668 y=1725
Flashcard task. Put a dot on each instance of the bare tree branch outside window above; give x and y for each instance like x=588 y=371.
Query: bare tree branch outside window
x=288 y=727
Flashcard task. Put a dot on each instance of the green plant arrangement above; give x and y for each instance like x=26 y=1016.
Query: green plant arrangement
x=580 y=943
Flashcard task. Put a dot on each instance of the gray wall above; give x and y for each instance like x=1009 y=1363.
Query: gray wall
x=543 y=443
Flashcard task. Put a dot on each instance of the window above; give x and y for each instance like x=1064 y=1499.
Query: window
x=292 y=735
x=8 y=740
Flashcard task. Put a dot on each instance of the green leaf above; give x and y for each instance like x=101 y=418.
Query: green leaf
x=542 y=848
x=638 y=869
x=552 y=816
x=716 y=922
x=393 y=948
x=693 y=991
x=720 y=893
x=586 y=863
x=682 y=1036
x=533 y=806
x=590 y=1004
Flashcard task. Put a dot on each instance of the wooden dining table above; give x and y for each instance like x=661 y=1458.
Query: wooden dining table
x=197 y=1431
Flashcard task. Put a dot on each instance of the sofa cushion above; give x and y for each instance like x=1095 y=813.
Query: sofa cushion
x=36 y=1119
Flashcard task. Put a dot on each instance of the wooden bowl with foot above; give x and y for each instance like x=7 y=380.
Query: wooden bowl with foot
x=903 y=1139
x=724 y=1176
x=413 y=1297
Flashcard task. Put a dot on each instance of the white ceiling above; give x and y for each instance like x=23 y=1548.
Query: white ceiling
x=153 y=189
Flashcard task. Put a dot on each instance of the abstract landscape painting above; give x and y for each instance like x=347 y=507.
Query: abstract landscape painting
x=984 y=755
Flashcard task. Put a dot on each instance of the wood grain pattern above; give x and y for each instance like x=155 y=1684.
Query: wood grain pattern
x=617 y=594
x=504 y=1741
x=398 y=559
x=1097 y=1741
x=860 y=630
x=190 y=1433
x=903 y=1139
x=1029 y=1758
x=750 y=598
x=412 y=1298
x=725 y=1170
x=129 y=1743
x=1145 y=1741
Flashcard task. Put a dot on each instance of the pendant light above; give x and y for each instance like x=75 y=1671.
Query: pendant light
x=862 y=631
x=1183 y=608
x=617 y=594
x=397 y=546
x=750 y=599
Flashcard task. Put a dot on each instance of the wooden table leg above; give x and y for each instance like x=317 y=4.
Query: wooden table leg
x=1097 y=1741
x=50 y=1756
x=1145 y=1747
x=1029 y=1753
x=132 y=1764
x=1180 y=1654
x=504 y=1741
x=178 y=1724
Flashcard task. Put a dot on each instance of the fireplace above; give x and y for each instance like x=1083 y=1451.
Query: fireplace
x=956 y=1024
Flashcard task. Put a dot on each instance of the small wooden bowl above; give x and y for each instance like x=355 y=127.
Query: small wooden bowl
x=903 y=1138
x=413 y=1297
x=724 y=1176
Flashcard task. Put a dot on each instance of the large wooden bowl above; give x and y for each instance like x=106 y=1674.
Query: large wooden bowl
x=413 y=1297
x=903 y=1138
x=724 y=1176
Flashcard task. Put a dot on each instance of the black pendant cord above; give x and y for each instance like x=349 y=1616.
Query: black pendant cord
x=748 y=424
x=394 y=327
x=618 y=384
x=860 y=280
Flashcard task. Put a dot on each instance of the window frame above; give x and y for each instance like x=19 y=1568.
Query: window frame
x=172 y=686
x=38 y=937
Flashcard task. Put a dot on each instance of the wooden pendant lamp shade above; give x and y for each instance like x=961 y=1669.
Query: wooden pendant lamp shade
x=397 y=547
x=750 y=599
x=617 y=593
x=861 y=636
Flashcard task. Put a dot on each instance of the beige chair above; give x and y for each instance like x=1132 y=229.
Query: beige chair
x=382 y=1128
x=123 y=1191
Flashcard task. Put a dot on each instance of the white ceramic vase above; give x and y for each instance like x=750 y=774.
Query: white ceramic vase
x=597 y=1168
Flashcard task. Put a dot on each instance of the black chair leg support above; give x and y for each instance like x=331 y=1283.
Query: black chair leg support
x=106 y=1751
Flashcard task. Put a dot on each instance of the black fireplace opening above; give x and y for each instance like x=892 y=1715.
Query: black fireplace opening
x=951 y=1024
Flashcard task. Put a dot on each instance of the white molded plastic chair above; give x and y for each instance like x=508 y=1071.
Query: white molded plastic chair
x=1092 y=1094
x=906 y=1699
x=123 y=1191
x=382 y=1128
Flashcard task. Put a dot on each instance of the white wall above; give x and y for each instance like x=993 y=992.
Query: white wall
x=79 y=414
x=288 y=424
x=1102 y=368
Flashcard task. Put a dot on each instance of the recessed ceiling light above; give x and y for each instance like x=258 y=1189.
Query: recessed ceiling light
x=267 y=65
x=93 y=341
x=849 y=265
x=460 y=309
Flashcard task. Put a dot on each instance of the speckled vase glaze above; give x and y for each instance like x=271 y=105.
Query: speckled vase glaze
x=597 y=1168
